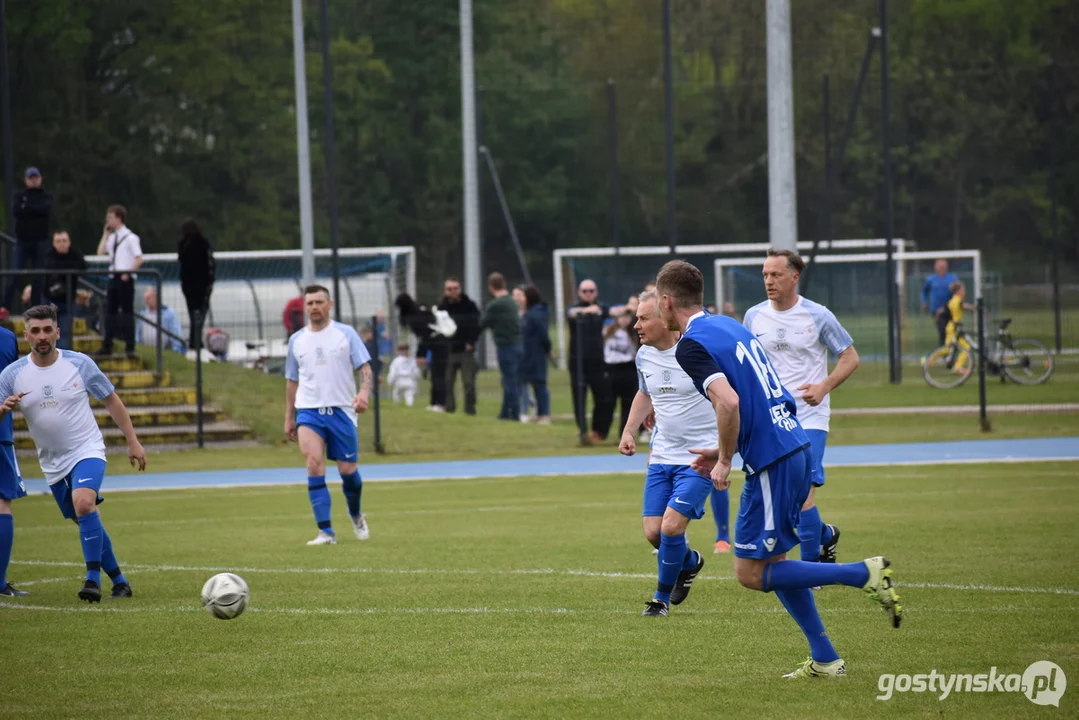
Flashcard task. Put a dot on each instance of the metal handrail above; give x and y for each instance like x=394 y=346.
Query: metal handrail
x=7 y=238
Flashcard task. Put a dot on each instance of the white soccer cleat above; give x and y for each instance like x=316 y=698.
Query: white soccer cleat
x=323 y=538
x=360 y=526
x=812 y=669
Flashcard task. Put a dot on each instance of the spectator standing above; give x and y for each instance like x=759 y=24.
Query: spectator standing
x=936 y=293
x=33 y=212
x=60 y=288
x=434 y=348
x=586 y=366
x=462 y=346
x=500 y=316
x=536 y=351
x=146 y=332
x=292 y=316
x=125 y=256
x=197 y=274
x=620 y=345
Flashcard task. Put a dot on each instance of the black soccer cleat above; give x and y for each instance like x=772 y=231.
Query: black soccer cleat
x=91 y=592
x=121 y=590
x=655 y=608
x=827 y=552
x=685 y=581
x=9 y=590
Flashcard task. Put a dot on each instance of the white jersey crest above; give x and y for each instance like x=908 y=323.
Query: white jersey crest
x=684 y=418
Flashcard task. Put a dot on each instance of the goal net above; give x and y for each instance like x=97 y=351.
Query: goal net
x=625 y=272
x=854 y=287
x=253 y=287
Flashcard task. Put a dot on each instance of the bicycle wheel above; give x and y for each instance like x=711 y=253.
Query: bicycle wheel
x=1027 y=362
x=940 y=371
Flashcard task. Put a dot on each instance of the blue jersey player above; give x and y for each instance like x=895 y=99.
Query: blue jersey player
x=755 y=416
x=11 y=486
x=321 y=403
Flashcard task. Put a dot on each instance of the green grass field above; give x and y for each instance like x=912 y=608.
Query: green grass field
x=521 y=598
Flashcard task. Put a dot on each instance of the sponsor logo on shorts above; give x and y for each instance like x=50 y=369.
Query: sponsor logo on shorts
x=745 y=546
x=769 y=543
x=680 y=501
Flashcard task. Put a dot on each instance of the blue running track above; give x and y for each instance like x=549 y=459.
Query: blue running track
x=850 y=456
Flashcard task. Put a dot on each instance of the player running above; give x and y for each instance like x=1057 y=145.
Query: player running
x=798 y=333
x=321 y=403
x=52 y=389
x=11 y=485
x=674 y=493
x=754 y=415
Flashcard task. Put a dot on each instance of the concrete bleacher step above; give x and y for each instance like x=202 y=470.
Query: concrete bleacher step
x=79 y=326
x=132 y=379
x=152 y=437
x=161 y=416
x=81 y=343
x=155 y=396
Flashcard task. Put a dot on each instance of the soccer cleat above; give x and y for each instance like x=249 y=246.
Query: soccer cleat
x=721 y=546
x=91 y=592
x=685 y=581
x=323 y=538
x=827 y=552
x=656 y=608
x=881 y=588
x=812 y=669
x=359 y=524
x=121 y=590
x=10 y=591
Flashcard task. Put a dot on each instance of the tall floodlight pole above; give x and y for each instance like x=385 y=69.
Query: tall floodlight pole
x=5 y=112
x=668 y=106
x=782 y=197
x=331 y=173
x=303 y=147
x=469 y=151
x=894 y=365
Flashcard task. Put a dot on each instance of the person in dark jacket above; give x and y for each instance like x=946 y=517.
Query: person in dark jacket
x=536 y=341
x=33 y=212
x=197 y=273
x=420 y=320
x=587 y=370
x=500 y=316
x=59 y=288
x=463 y=344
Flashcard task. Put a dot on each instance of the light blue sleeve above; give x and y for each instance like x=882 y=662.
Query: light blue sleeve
x=96 y=383
x=292 y=367
x=356 y=349
x=749 y=317
x=834 y=336
x=171 y=321
x=641 y=384
x=7 y=380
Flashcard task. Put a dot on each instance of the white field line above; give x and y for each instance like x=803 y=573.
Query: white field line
x=27 y=583
x=536 y=571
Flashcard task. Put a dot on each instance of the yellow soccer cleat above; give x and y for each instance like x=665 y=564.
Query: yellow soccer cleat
x=881 y=588
x=812 y=669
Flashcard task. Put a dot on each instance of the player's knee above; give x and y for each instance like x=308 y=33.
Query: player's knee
x=748 y=575
x=5 y=507
x=652 y=536
x=315 y=465
x=84 y=506
x=674 y=526
x=809 y=503
x=346 y=468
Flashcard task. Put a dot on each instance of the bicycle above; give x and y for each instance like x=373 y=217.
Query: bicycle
x=1021 y=360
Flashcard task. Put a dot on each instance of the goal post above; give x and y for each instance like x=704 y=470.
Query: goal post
x=854 y=287
x=624 y=271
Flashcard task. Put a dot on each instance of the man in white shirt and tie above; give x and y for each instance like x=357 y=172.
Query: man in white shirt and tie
x=125 y=256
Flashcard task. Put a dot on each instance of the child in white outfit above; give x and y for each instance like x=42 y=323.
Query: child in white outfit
x=404 y=376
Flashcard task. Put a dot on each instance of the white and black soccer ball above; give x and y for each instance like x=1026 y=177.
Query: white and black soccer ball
x=225 y=596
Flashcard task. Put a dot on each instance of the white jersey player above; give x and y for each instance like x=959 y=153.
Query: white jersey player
x=52 y=388
x=674 y=493
x=798 y=334
x=321 y=403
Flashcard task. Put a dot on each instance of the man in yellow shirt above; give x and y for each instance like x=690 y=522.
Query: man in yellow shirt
x=956 y=306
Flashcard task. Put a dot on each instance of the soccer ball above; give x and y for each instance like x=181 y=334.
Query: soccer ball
x=225 y=596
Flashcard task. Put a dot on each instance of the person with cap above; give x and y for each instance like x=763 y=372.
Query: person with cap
x=33 y=213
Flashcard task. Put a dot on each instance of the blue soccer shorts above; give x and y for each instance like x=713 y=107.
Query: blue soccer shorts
x=336 y=429
x=88 y=474
x=771 y=506
x=11 y=485
x=817 y=440
x=679 y=487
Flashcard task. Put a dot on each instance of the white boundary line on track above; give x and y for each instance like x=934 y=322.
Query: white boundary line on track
x=535 y=571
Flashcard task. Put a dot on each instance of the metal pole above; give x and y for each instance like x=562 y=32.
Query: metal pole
x=473 y=283
x=829 y=185
x=160 y=327
x=616 y=189
x=894 y=346
x=331 y=172
x=303 y=147
x=668 y=105
x=5 y=121
x=580 y=389
x=782 y=197
x=198 y=378
x=376 y=406
x=983 y=412
x=1053 y=208
x=506 y=214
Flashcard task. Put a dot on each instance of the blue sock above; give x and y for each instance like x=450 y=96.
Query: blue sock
x=92 y=536
x=320 y=501
x=825 y=534
x=721 y=513
x=353 y=487
x=672 y=557
x=809 y=534
x=796 y=575
x=108 y=560
x=7 y=539
x=803 y=608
